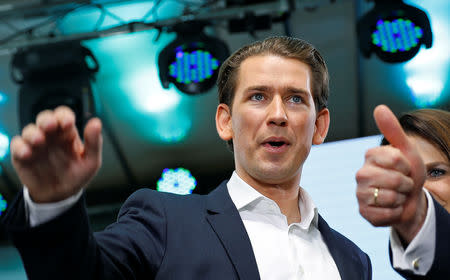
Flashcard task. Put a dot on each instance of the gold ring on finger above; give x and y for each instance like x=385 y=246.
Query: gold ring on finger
x=375 y=195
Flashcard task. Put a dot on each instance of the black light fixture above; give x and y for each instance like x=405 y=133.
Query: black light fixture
x=52 y=75
x=394 y=31
x=191 y=62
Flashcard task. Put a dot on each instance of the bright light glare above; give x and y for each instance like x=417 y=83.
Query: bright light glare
x=3 y=98
x=4 y=145
x=425 y=90
x=147 y=95
x=173 y=129
x=427 y=73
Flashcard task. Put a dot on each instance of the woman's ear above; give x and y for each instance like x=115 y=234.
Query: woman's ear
x=223 y=122
x=322 y=125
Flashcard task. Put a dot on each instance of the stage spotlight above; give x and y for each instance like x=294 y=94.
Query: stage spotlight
x=191 y=62
x=394 y=30
x=178 y=181
x=54 y=75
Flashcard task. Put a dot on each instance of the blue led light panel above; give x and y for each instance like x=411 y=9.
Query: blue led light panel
x=3 y=205
x=178 y=181
x=397 y=35
x=193 y=67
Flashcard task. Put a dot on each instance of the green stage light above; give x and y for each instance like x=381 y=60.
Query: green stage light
x=394 y=31
x=191 y=62
x=178 y=181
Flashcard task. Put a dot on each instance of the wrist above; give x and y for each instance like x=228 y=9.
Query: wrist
x=409 y=229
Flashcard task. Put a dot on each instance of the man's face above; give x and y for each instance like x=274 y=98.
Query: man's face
x=273 y=121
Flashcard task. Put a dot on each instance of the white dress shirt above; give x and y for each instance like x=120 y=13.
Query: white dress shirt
x=419 y=255
x=282 y=251
x=39 y=213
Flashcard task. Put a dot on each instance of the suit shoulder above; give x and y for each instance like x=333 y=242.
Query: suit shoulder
x=145 y=197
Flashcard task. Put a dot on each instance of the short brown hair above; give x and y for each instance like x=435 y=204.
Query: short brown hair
x=432 y=125
x=280 y=46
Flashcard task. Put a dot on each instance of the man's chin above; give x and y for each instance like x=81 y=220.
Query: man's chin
x=275 y=174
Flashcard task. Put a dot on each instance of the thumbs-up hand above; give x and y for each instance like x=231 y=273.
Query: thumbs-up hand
x=389 y=185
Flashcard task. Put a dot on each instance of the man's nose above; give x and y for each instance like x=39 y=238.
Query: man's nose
x=277 y=112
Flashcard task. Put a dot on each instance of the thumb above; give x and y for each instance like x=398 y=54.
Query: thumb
x=93 y=141
x=390 y=127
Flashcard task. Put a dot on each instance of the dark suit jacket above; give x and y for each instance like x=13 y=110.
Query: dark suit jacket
x=440 y=269
x=157 y=236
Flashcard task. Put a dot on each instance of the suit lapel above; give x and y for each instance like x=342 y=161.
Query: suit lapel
x=346 y=263
x=226 y=222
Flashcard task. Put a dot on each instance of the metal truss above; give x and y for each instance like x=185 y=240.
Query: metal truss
x=32 y=22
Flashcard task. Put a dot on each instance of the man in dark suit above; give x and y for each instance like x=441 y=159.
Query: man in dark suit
x=394 y=187
x=259 y=224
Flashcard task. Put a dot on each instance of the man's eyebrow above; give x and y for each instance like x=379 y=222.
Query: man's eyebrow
x=258 y=88
x=297 y=90
x=268 y=89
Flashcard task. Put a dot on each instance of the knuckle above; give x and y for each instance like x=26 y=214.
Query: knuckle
x=397 y=180
x=391 y=198
x=409 y=184
x=396 y=156
x=361 y=174
x=401 y=198
x=363 y=211
x=360 y=195
x=385 y=215
x=371 y=152
x=372 y=219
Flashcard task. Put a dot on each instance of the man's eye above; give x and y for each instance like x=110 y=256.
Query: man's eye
x=436 y=172
x=296 y=99
x=257 y=97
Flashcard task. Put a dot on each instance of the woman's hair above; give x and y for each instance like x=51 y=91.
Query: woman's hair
x=432 y=125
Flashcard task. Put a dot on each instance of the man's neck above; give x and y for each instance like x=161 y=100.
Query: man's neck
x=285 y=195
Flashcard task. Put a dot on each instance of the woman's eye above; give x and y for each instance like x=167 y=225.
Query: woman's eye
x=257 y=97
x=436 y=172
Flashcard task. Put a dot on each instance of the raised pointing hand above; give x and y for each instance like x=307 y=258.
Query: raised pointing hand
x=50 y=158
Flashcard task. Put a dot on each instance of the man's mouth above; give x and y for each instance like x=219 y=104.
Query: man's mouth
x=276 y=143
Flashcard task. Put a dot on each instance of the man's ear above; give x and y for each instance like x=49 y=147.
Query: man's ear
x=321 y=126
x=223 y=122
